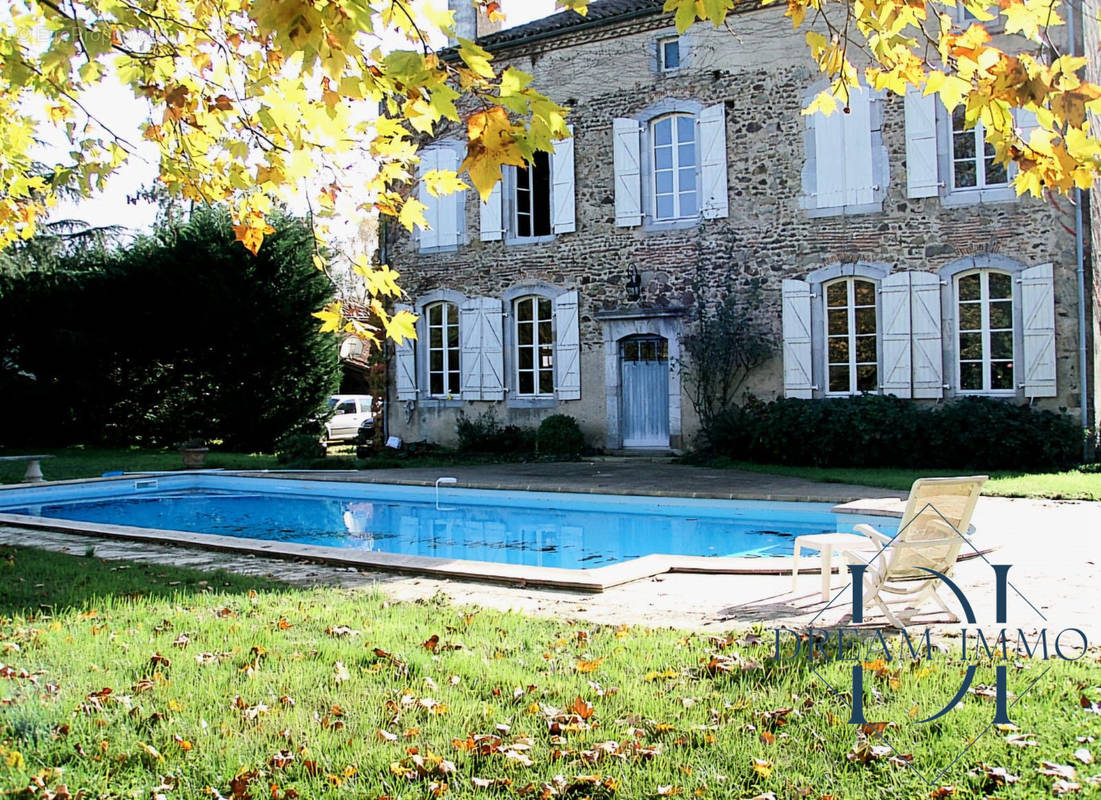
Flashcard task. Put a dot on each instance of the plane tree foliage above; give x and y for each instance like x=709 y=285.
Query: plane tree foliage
x=253 y=102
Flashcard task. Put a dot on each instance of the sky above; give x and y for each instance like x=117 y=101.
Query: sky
x=126 y=117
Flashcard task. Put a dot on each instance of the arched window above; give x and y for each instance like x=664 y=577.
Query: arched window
x=984 y=307
x=443 y=349
x=852 y=360
x=534 y=346
x=676 y=167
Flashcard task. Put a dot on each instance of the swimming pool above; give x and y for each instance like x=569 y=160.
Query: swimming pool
x=531 y=529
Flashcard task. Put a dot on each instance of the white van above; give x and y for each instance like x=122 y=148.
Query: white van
x=349 y=412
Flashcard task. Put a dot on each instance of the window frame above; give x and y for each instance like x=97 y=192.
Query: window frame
x=537 y=370
x=511 y=210
x=978 y=136
x=675 y=146
x=986 y=332
x=447 y=371
x=851 y=335
x=950 y=195
x=663 y=64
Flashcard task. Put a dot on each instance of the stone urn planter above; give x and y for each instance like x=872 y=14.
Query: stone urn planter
x=193 y=454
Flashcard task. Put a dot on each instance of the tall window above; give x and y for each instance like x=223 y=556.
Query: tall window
x=675 y=167
x=985 y=331
x=532 y=206
x=851 y=358
x=534 y=346
x=443 y=350
x=973 y=165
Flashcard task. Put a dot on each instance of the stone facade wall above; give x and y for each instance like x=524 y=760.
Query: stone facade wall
x=762 y=75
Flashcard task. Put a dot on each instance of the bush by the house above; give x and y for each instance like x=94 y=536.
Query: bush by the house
x=296 y=448
x=559 y=436
x=485 y=434
x=878 y=431
x=182 y=334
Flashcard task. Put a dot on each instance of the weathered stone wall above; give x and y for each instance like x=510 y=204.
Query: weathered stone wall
x=762 y=75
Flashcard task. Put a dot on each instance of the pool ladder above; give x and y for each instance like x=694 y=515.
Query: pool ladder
x=447 y=480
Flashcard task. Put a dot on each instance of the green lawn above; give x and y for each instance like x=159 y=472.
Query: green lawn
x=125 y=680
x=91 y=462
x=1083 y=483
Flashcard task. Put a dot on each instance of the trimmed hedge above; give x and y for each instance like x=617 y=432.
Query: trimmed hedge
x=559 y=436
x=977 y=433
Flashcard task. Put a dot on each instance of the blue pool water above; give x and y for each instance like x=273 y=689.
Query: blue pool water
x=531 y=528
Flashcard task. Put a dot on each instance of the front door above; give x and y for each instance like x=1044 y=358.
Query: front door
x=644 y=377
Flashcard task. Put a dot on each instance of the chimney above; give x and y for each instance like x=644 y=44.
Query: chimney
x=466 y=20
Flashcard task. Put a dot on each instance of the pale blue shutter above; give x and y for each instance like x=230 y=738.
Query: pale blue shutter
x=713 y=162
x=491 y=221
x=921 y=144
x=628 y=174
x=857 y=134
x=450 y=205
x=829 y=159
x=1038 y=323
x=926 y=351
x=567 y=347
x=470 y=349
x=429 y=237
x=894 y=311
x=492 y=350
x=405 y=364
x=797 y=339
x=562 y=190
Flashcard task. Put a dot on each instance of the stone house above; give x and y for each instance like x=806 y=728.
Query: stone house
x=885 y=249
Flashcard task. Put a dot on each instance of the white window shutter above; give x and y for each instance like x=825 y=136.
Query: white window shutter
x=894 y=309
x=491 y=220
x=925 y=336
x=450 y=205
x=470 y=353
x=797 y=339
x=1026 y=123
x=567 y=347
x=1038 y=320
x=921 y=144
x=562 y=190
x=429 y=237
x=829 y=159
x=713 y=162
x=857 y=135
x=628 y=174
x=405 y=364
x=493 y=352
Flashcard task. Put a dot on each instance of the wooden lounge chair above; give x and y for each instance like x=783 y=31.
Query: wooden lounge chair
x=930 y=535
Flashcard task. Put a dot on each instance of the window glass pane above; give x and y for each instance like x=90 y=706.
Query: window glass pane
x=663 y=131
x=663 y=158
x=435 y=314
x=1000 y=285
x=435 y=359
x=453 y=336
x=646 y=351
x=687 y=179
x=971 y=377
x=995 y=173
x=686 y=154
x=527 y=383
x=864 y=293
x=838 y=321
x=435 y=383
x=688 y=204
x=670 y=54
x=837 y=294
x=965 y=175
x=544 y=332
x=963 y=145
x=839 y=349
x=526 y=358
x=969 y=287
x=630 y=351
x=865 y=320
x=524 y=333
x=435 y=337
x=544 y=309
x=665 y=207
x=1001 y=345
x=866 y=378
x=546 y=382
x=453 y=384
x=1001 y=375
x=1001 y=314
x=865 y=349
x=664 y=181
x=839 y=379
x=686 y=129
x=970 y=316
x=971 y=345
x=524 y=309
x=546 y=357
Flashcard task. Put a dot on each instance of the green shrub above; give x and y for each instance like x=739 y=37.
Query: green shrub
x=484 y=434
x=559 y=436
x=299 y=447
x=874 y=430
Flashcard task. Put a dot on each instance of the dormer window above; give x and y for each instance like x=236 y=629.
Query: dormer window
x=669 y=53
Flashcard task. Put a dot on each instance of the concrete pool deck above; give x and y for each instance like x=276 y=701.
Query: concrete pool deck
x=1054 y=547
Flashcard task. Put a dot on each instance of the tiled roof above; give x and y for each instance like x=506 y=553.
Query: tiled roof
x=600 y=12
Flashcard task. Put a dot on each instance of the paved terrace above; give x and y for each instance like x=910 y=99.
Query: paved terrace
x=1054 y=547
